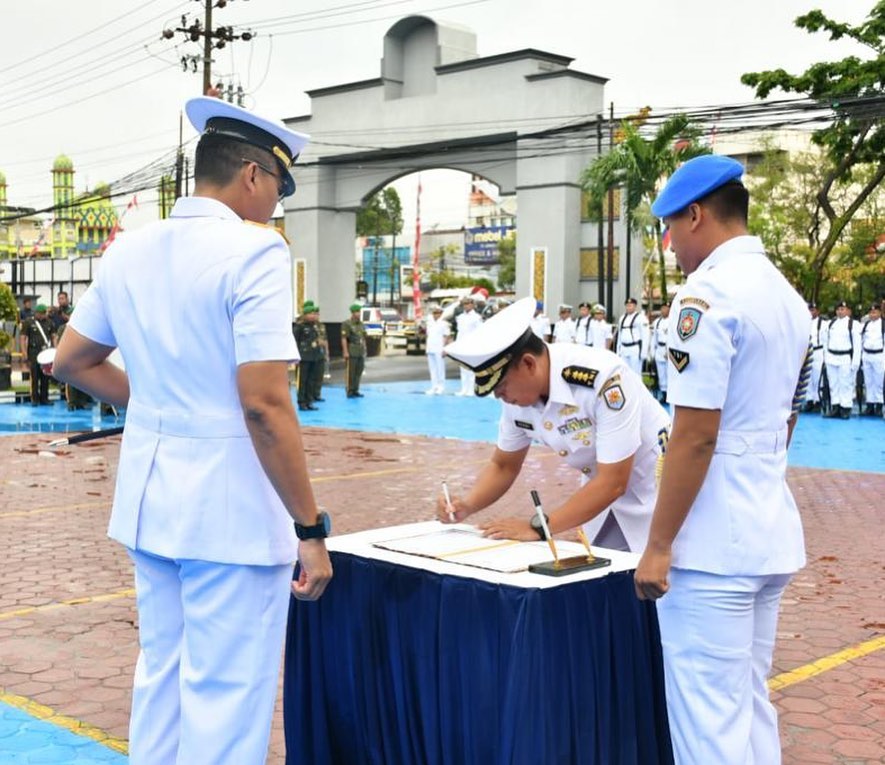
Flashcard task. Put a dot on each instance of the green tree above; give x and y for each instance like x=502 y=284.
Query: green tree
x=855 y=137
x=8 y=312
x=638 y=164
x=507 y=262
x=381 y=216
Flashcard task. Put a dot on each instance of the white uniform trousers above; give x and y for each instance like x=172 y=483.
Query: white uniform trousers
x=661 y=366
x=467 y=381
x=717 y=634
x=436 y=363
x=842 y=381
x=817 y=364
x=211 y=638
x=873 y=372
x=634 y=362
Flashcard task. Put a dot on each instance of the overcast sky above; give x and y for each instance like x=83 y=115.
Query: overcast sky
x=95 y=81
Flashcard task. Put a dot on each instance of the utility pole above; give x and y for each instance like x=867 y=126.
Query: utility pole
x=216 y=38
x=611 y=220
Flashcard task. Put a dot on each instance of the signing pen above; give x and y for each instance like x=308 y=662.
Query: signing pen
x=536 y=500
x=445 y=489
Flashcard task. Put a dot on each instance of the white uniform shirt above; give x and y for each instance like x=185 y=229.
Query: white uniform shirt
x=633 y=335
x=468 y=322
x=564 y=331
x=739 y=349
x=659 y=329
x=187 y=300
x=437 y=332
x=541 y=326
x=582 y=330
x=600 y=333
x=842 y=342
x=871 y=337
x=585 y=425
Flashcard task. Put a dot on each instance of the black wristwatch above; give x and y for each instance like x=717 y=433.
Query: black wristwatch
x=536 y=525
x=320 y=530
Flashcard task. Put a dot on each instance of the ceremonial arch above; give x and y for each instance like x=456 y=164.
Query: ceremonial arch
x=523 y=120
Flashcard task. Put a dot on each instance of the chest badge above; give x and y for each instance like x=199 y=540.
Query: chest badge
x=567 y=410
x=689 y=320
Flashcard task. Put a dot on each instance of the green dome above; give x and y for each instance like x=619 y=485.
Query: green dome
x=62 y=162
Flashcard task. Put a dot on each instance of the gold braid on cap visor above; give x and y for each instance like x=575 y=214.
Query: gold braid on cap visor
x=494 y=373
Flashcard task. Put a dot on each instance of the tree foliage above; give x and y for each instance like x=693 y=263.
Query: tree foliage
x=507 y=262
x=637 y=163
x=8 y=312
x=855 y=137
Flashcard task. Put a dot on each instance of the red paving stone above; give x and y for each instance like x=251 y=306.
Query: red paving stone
x=79 y=659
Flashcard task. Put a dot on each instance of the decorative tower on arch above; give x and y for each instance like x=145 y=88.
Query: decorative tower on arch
x=64 y=228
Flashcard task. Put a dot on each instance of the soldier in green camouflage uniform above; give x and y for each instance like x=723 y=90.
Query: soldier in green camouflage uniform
x=37 y=334
x=317 y=393
x=307 y=335
x=353 y=348
x=76 y=398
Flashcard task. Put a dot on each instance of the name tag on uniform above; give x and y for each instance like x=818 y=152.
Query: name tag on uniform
x=524 y=425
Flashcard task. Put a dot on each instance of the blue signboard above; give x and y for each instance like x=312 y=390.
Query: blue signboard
x=481 y=244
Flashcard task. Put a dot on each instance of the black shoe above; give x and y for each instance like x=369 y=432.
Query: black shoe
x=357 y=395
x=319 y=399
x=307 y=407
x=844 y=413
x=834 y=413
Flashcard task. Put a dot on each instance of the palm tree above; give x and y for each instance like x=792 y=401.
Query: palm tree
x=638 y=164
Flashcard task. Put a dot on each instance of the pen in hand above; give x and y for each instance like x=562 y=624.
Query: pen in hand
x=536 y=500
x=451 y=512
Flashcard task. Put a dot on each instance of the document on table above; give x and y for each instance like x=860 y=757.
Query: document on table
x=467 y=547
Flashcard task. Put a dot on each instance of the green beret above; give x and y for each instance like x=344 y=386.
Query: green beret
x=308 y=307
x=41 y=308
x=355 y=307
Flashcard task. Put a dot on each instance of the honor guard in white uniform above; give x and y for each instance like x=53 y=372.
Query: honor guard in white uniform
x=584 y=403
x=437 y=335
x=872 y=341
x=600 y=330
x=658 y=351
x=540 y=322
x=467 y=322
x=564 y=329
x=633 y=336
x=816 y=334
x=842 y=357
x=583 y=325
x=212 y=470
x=726 y=534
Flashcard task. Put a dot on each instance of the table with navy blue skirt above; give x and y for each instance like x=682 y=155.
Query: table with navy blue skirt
x=413 y=661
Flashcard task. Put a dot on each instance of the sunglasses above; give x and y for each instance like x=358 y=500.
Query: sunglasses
x=281 y=183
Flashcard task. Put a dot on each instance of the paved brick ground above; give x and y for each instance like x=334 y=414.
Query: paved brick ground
x=78 y=658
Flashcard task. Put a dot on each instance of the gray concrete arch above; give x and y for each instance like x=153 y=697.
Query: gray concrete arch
x=437 y=104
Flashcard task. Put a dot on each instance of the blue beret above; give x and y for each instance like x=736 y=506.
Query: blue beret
x=693 y=181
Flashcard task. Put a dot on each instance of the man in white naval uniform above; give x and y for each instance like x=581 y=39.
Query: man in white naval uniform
x=467 y=322
x=842 y=357
x=872 y=340
x=564 y=329
x=633 y=336
x=212 y=470
x=816 y=333
x=658 y=351
x=541 y=322
x=726 y=534
x=584 y=403
x=583 y=325
x=437 y=335
x=600 y=330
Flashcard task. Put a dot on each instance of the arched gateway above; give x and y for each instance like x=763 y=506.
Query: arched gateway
x=438 y=105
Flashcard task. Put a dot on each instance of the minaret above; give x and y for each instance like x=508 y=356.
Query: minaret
x=64 y=233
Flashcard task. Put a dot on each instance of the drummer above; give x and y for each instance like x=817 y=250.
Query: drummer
x=37 y=335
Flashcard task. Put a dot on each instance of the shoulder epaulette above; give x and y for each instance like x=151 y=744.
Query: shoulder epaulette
x=580 y=375
x=268 y=226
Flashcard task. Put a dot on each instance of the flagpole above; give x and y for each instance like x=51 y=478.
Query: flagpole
x=416 y=276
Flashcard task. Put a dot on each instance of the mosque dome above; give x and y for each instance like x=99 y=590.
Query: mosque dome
x=62 y=162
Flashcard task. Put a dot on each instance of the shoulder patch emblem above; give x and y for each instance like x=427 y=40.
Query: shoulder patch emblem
x=689 y=319
x=678 y=358
x=614 y=397
x=580 y=375
x=702 y=304
x=524 y=425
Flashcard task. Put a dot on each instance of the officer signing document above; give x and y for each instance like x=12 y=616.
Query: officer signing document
x=212 y=471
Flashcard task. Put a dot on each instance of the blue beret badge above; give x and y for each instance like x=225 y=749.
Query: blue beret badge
x=689 y=319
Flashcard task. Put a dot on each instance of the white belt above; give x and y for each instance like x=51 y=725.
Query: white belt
x=751 y=442
x=187 y=425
